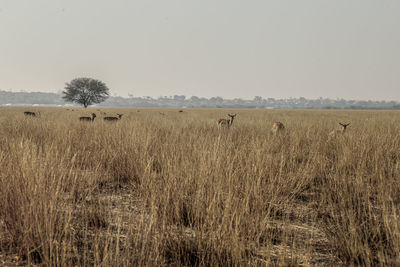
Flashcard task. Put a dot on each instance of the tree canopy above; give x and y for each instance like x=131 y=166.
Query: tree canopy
x=85 y=91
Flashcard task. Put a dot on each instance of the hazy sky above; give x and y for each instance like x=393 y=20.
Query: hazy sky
x=312 y=48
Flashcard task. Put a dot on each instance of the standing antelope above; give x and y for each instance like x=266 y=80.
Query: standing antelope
x=88 y=118
x=113 y=118
x=340 y=131
x=226 y=122
x=277 y=127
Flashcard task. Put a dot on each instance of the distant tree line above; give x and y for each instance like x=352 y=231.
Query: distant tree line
x=181 y=101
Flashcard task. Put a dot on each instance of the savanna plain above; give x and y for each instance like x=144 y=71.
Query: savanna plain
x=160 y=187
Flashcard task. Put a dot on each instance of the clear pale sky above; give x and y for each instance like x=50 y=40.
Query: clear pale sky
x=312 y=48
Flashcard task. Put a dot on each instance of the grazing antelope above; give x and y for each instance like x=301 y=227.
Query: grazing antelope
x=88 y=118
x=30 y=113
x=180 y=110
x=226 y=122
x=340 y=131
x=113 y=118
x=277 y=127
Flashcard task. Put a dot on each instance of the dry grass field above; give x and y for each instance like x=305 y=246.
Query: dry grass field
x=162 y=187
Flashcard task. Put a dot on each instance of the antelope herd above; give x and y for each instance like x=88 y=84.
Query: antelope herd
x=277 y=127
x=119 y=116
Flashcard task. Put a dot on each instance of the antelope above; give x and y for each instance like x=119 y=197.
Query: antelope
x=340 y=131
x=88 y=118
x=226 y=122
x=113 y=118
x=30 y=113
x=277 y=127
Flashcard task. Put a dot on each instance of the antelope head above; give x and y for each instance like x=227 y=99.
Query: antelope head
x=341 y=131
x=344 y=125
x=232 y=118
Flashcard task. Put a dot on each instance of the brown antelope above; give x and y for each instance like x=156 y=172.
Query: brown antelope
x=226 y=122
x=113 y=118
x=277 y=127
x=30 y=113
x=88 y=118
x=340 y=131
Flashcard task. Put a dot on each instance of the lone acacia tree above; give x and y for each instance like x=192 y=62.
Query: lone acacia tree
x=85 y=91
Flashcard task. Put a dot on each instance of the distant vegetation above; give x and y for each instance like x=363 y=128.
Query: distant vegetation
x=170 y=188
x=181 y=101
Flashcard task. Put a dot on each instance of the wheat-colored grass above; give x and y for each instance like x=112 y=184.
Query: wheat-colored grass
x=170 y=188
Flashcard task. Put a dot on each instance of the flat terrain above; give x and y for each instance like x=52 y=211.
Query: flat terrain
x=162 y=187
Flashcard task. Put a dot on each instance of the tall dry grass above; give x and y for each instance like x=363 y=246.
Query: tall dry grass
x=173 y=189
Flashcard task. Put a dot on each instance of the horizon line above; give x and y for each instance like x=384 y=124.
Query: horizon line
x=188 y=97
